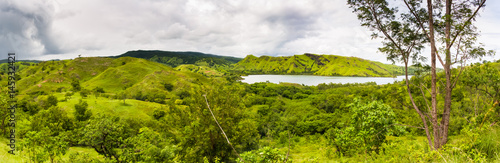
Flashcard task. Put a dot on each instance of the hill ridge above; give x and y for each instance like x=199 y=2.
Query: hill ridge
x=316 y=64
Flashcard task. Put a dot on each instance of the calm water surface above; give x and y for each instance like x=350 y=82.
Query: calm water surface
x=315 y=80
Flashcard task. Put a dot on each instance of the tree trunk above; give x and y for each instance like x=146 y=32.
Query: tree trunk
x=434 y=117
x=447 y=67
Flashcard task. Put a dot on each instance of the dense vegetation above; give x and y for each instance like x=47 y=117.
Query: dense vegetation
x=175 y=59
x=135 y=110
x=326 y=65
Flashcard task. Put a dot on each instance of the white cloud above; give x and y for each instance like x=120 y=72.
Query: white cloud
x=65 y=28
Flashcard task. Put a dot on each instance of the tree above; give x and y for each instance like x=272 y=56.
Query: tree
x=40 y=145
x=47 y=138
x=444 y=25
x=147 y=146
x=369 y=125
x=52 y=101
x=75 y=84
x=105 y=135
x=4 y=110
x=200 y=135
x=81 y=112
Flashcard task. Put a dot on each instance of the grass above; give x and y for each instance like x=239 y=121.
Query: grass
x=133 y=109
x=6 y=157
x=315 y=148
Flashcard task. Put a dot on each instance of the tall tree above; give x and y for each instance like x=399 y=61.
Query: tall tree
x=200 y=136
x=444 y=25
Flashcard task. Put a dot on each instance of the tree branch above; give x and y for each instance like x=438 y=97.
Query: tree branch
x=461 y=29
x=222 y=129
x=419 y=21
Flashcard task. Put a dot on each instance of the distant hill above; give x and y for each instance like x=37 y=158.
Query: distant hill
x=32 y=61
x=171 y=58
x=129 y=75
x=325 y=65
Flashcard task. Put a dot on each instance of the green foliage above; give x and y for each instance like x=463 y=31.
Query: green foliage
x=264 y=155
x=170 y=61
x=81 y=112
x=51 y=101
x=42 y=145
x=157 y=114
x=84 y=93
x=78 y=157
x=169 y=87
x=98 y=90
x=54 y=118
x=369 y=126
x=325 y=65
x=198 y=134
x=27 y=105
x=201 y=69
x=105 y=134
x=483 y=78
x=183 y=94
x=47 y=138
x=148 y=146
x=175 y=58
x=75 y=84
x=170 y=122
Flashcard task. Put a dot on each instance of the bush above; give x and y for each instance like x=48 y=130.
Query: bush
x=81 y=112
x=98 y=90
x=75 y=84
x=169 y=87
x=183 y=94
x=157 y=114
x=264 y=155
x=370 y=123
x=51 y=101
x=84 y=93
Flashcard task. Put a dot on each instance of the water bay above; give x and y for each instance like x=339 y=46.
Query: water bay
x=311 y=80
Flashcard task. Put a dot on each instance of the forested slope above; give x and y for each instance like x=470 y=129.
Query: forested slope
x=325 y=65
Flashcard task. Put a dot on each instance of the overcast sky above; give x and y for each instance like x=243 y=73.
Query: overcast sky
x=63 y=29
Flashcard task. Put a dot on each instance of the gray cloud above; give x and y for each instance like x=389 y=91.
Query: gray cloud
x=65 y=28
x=26 y=28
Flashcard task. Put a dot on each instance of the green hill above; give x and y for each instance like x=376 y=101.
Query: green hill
x=125 y=74
x=204 y=70
x=173 y=58
x=325 y=65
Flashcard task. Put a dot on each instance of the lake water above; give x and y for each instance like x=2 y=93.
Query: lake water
x=311 y=80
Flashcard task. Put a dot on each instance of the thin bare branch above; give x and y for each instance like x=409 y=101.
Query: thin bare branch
x=288 y=153
x=222 y=129
x=423 y=95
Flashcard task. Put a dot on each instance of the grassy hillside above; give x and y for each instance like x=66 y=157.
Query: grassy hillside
x=115 y=75
x=204 y=70
x=325 y=65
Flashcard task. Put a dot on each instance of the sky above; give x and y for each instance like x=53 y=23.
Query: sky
x=64 y=29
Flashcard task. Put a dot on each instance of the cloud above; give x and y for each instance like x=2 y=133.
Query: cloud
x=65 y=28
x=26 y=28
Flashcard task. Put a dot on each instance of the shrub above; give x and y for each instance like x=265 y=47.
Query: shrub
x=264 y=155
x=370 y=123
x=84 y=93
x=169 y=87
x=98 y=90
x=75 y=84
x=157 y=114
x=51 y=101
x=81 y=112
